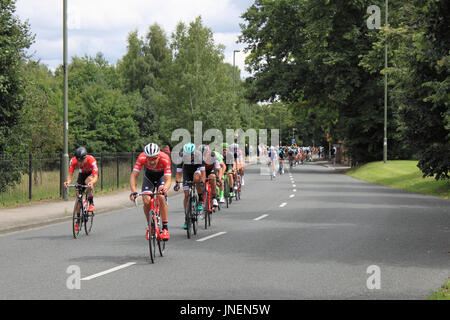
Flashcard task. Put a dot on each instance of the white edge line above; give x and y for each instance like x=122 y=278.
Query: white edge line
x=109 y=271
x=261 y=217
x=211 y=236
x=283 y=204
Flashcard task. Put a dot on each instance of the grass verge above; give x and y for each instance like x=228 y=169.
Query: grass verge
x=442 y=294
x=400 y=174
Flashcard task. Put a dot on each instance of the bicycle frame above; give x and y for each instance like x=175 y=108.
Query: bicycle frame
x=80 y=210
x=154 y=225
x=191 y=207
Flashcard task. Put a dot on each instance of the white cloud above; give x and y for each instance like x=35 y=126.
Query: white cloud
x=103 y=25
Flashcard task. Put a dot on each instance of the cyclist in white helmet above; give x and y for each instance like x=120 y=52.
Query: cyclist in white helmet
x=157 y=176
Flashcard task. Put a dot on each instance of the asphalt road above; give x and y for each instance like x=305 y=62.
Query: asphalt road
x=315 y=235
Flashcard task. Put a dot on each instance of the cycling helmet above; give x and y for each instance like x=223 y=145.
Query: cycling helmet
x=224 y=145
x=203 y=148
x=151 y=150
x=80 y=153
x=189 y=148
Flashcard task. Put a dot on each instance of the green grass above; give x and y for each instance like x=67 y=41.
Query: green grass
x=46 y=188
x=401 y=174
x=442 y=294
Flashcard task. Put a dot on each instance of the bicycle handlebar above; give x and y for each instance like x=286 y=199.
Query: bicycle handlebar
x=78 y=185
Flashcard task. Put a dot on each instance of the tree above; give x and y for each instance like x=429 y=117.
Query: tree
x=199 y=85
x=308 y=53
x=142 y=68
x=419 y=69
x=15 y=37
x=100 y=115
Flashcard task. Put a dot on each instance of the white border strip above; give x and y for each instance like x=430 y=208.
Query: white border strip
x=109 y=271
x=261 y=217
x=211 y=236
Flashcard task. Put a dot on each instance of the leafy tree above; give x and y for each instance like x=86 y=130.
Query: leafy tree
x=142 y=69
x=419 y=68
x=308 y=53
x=100 y=114
x=41 y=121
x=15 y=37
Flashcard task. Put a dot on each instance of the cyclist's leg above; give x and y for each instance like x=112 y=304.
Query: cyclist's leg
x=163 y=208
x=90 y=192
x=148 y=187
x=198 y=177
x=187 y=176
x=212 y=181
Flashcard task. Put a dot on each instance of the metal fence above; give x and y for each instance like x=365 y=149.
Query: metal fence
x=41 y=176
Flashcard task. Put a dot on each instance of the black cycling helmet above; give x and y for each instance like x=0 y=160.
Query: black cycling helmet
x=80 y=153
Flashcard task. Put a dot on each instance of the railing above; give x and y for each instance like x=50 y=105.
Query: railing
x=41 y=176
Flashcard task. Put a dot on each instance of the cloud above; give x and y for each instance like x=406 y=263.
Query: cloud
x=103 y=25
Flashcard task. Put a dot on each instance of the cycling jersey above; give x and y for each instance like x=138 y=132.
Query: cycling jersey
x=89 y=166
x=212 y=161
x=272 y=155
x=190 y=164
x=161 y=168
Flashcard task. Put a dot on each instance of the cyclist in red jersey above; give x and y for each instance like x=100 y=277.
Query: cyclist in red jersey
x=87 y=173
x=157 y=175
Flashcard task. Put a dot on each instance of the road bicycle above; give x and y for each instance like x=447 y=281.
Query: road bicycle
x=271 y=170
x=191 y=213
x=226 y=189
x=81 y=216
x=154 y=225
x=207 y=203
x=237 y=185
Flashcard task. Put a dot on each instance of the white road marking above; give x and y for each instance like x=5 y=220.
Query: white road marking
x=283 y=204
x=292 y=195
x=295 y=190
x=211 y=236
x=294 y=185
x=109 y=271
x=261 y=217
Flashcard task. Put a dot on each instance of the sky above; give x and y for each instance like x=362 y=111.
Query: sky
x=103 y=25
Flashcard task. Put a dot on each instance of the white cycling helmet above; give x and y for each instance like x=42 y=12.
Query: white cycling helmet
x=151 y=150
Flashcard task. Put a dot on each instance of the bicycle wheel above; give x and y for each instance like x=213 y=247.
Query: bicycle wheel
x=77 y=220
x=226 y=190
x=187 y=217
x=194 y=214
x=206 y=208
x=152 y=238
x=161 y=243
x=88 y=220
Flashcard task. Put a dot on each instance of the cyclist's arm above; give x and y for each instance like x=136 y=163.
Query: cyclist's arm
x=178 y=176
x=94 y=181
x=222 y=169
x=69 y=179
x=203 y=174
x=167 y=183
x=133 y=177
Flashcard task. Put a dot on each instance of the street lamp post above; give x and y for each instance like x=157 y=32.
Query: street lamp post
x=234 y=78
x=65 y=158
x=385 y=92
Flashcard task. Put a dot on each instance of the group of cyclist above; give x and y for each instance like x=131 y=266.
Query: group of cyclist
x=194 y=163
x=279 y=155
